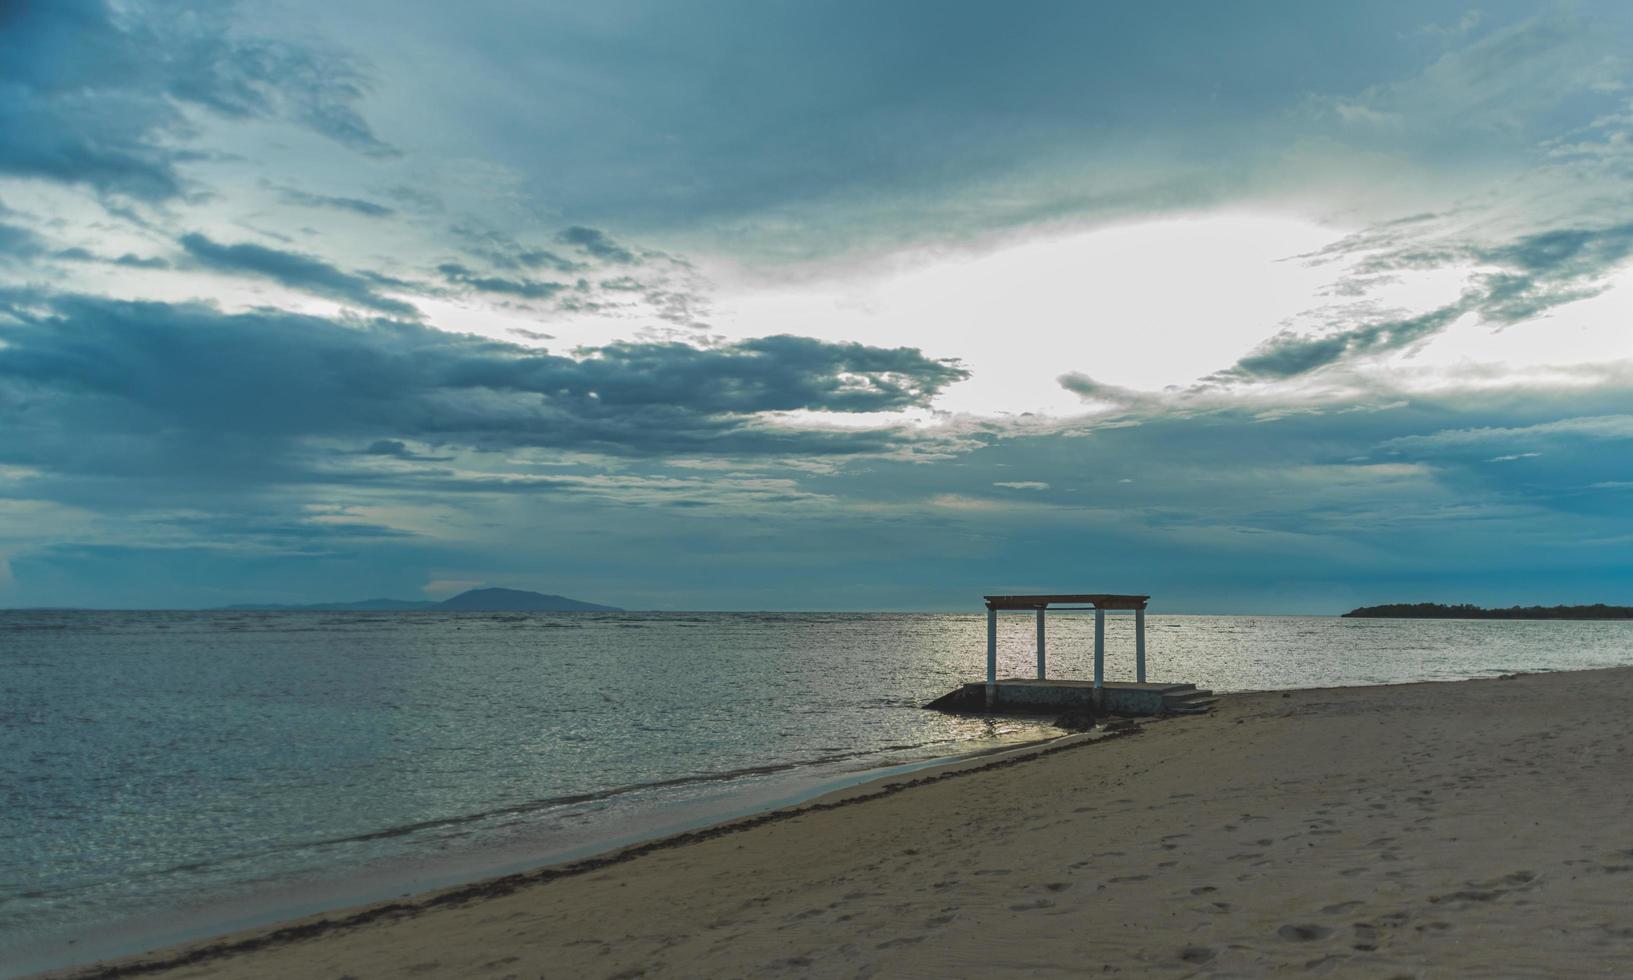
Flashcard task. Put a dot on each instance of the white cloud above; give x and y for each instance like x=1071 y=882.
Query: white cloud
x=442 y=588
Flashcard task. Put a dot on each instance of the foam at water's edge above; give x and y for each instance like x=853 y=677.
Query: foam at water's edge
x=284 y=902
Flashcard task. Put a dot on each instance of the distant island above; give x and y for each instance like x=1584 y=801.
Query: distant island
x=476 y=600
x=1435 y=610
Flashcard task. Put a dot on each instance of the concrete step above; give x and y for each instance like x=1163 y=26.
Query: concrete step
x=1193 y=702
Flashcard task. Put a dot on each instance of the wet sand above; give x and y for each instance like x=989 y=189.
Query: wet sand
x=1479 y=829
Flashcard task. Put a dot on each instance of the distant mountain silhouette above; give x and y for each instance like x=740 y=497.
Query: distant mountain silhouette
x=476 y=600
x=515 y=600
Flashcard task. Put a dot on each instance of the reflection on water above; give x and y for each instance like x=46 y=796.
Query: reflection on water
x=156 y=759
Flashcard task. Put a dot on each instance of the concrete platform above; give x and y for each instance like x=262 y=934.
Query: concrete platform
x=1025 y=695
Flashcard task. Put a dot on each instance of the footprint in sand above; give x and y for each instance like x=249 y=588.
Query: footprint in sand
x=1480 y=895
x=1196 y=954
x=1339 y=908
x=1036 y=903
x=1303 y=932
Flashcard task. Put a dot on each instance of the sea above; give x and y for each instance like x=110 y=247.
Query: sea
x=170 y=775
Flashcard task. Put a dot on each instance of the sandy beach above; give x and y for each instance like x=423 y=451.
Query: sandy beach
x=1478 y=828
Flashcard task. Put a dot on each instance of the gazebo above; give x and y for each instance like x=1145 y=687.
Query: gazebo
x=1042 y=695
x=1099 y=602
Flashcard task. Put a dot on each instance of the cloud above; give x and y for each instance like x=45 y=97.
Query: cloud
x=1597 y=427
x=187 y=376
x=1022 y=484
x=99 y=95
x=596 y=243
x=1499 y=85
x=522 y=288
x=444 y=587
x=141 y=262
x=17 y=242
x=1544 y=236
x=1288 y=354
x=292 y=269
x=355 y=205
x=1091 y=390
x=505 y=252
x=397 y=449
x=1534 y=273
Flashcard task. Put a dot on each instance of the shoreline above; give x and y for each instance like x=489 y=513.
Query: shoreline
x=275 y=903
x=867 y=785
x=242 y=952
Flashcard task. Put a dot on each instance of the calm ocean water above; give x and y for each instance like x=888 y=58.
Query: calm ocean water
x=165 y=775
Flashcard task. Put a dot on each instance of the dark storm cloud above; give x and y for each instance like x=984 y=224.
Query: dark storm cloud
x=294 y=270
x=75 y=367
x=96 y=95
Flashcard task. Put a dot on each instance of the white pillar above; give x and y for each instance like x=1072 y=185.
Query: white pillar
x=1099 y=647
x=1040 y=644
x=1139 y=644
x=992 y=653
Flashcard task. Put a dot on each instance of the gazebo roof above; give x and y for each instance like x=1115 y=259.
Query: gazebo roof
x=1098 y=600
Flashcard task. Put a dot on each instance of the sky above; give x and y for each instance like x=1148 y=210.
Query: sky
x=1255 y=308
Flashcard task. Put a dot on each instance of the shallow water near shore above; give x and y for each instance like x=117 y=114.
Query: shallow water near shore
x=172 y=773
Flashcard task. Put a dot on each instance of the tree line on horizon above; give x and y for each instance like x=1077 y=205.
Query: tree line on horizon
x=1436 y=610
